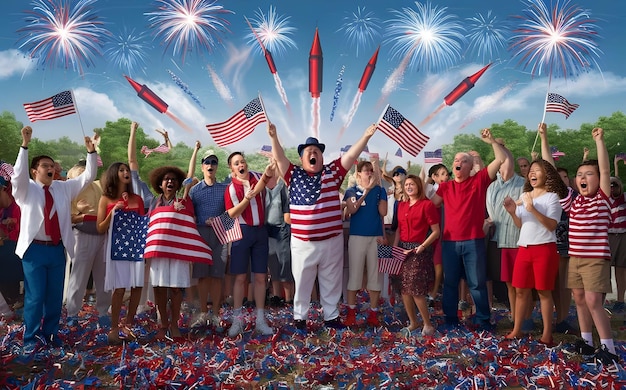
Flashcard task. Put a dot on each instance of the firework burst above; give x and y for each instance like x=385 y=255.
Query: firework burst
x=434 y=37
x=361 y=28
x=127 y=50
x=273 y=31
x=487 y=36
x=559 y=41
x=59 y=33
x=188 y=25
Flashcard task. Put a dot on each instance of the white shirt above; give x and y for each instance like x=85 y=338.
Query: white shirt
x=534 y=232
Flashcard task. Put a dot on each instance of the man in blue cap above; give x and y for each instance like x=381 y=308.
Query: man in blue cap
x=316 y=225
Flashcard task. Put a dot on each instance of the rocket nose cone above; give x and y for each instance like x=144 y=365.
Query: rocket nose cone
x=316 y=47
x=473 y=78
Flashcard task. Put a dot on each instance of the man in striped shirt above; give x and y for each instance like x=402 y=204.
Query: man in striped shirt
x=316 y=226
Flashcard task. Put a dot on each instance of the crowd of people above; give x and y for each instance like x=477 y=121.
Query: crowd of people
x=462 y=233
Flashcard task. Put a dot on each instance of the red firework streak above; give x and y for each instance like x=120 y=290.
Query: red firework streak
x=148 y=96
x=316 y=62
x=266 y=53
x=460 y=90
x=369 y=71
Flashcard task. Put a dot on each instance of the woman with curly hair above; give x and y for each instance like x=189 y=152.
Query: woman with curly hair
x=117 y=194
x=172 y=243
x=536 y=213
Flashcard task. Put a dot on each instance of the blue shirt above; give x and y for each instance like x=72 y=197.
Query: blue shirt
x=367 y=220
x=208 y=201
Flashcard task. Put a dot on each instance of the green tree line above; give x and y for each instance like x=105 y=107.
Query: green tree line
x=114 y=143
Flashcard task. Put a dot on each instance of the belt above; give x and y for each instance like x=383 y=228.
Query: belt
x=47 y=243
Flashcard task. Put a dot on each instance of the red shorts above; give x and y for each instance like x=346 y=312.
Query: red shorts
x=536 y=266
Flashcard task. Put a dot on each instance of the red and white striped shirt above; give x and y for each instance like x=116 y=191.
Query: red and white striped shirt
x=254 y=214
x=618 y=215
x=314 y=201
x=589 y=219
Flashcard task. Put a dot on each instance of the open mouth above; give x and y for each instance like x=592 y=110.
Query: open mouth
x=583 y=185
x=241 y=171
x=170 y=186
x=49 y=174
x=312 y=160
x=458 y=167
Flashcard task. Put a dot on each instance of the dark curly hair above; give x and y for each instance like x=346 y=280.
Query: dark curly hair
x=554 y=183
x=110 y=180
x=157 y=175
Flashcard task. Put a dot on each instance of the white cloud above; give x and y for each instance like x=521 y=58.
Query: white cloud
x=14 y=62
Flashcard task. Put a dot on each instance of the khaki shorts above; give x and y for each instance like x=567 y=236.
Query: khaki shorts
x=592 y=275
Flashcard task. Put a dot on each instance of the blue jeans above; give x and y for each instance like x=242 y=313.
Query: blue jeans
x=468 y=256
x=44 y=275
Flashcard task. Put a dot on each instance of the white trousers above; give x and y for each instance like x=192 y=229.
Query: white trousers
x=88 y=259
x=323 y=259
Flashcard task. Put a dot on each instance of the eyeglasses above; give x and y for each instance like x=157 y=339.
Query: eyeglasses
x=172 y=179
x=46 y=166
x=209 y=162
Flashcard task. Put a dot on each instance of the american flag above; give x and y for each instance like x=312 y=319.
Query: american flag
x=6 y=170
x=399 y=152
x=163 y=148
x=399 y=129
x=390 y=259
x=266 y=150
x=56 y=106
x=226 y=228
x=127 y=235
x=435 y=157
x=557 y=103
x=239 y=125
x=555 y=152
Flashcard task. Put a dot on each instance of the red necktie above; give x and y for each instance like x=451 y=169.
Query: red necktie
x=51 y=224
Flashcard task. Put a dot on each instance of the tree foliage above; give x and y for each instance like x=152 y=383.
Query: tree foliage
x=114 y=144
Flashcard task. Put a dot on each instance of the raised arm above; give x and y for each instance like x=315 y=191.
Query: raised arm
x=132 y=147
x=546 y=153
x=282 y=162
x=191 y=171
x=351 y=155
x=498 y=151
x=603 y=160
x=585 y=154
x=615 y=161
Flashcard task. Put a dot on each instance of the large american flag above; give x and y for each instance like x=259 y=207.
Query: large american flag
x=239 y=125
x=557 y=103
x=226 y=228
x=56 y=106
x=163 y=148
x=390 y=259
x=434 y=157
x=399 y=129
x=127 y=235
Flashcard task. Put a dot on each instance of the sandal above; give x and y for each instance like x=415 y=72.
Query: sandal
x=162 y=334
x=126 y=334
x=113 y=338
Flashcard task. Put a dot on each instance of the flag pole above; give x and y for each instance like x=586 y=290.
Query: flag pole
x=545 y=103
x=78 y=112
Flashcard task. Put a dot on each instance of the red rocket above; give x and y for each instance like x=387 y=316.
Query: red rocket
x=463 y=87
x=316 y=62
x=266 y=53
x=148 y=96
x=369 y=71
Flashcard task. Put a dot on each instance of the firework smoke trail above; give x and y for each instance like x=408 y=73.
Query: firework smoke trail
x=179 y=122
x=281 y=91
x=361 y=28
x=353 y=109
x=559 y=41
x=338 y=86
x=188 y=25
x=484 y=104
x=127 y=51
x=315 y=115
x=58 y=33
x=396 y=77
x=487 y=36
x=219 y=85
x=185 y=88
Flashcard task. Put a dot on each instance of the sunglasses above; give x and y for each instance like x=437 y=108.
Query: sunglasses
x=210 y=162
x=613 y=184
x=398 y=174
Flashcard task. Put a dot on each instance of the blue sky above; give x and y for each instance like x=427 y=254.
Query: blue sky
x=225 y=78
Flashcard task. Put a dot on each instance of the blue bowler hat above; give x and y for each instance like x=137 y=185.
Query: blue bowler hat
x=311 y=141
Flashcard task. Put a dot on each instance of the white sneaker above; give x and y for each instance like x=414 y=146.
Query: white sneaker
x=428 y=331
x=201 y=321
x=236 y=328
x=263 y=328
